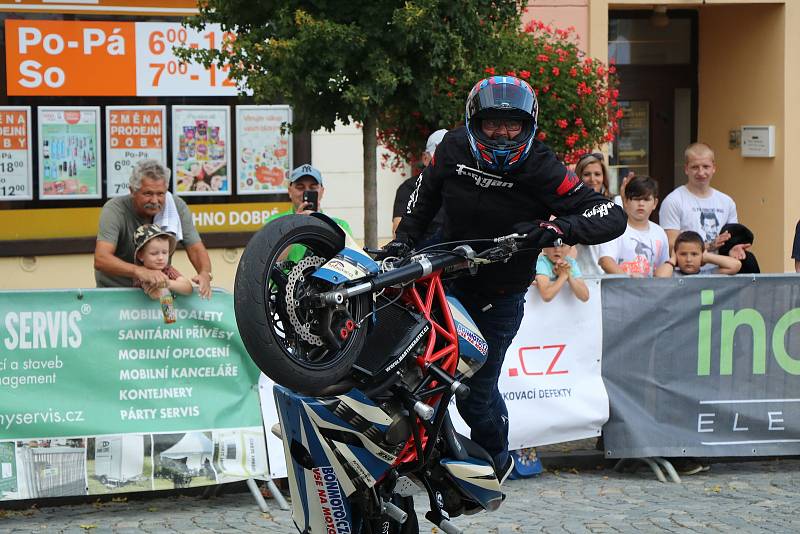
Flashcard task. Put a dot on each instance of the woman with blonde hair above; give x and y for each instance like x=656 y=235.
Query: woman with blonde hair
x=591 y=169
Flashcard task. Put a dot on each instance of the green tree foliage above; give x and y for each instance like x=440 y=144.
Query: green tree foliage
x=371 y=62
x=578 y=109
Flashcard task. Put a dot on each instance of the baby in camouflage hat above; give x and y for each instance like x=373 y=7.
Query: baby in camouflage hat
x=154 y=249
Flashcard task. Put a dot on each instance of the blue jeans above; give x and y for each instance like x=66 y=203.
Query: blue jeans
x=484 y=410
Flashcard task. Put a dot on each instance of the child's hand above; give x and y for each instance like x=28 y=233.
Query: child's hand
x=718 y=242
x=562 y=269
x=151 y=276
x=738 y=251
x=628 y=178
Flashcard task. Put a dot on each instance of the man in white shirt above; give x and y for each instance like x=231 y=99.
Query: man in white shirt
x=697 y=206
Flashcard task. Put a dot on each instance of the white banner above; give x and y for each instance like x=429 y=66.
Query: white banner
x=160 y=73
x=551 y=375
x=269 y=412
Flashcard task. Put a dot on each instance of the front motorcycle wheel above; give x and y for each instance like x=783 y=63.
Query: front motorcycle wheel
x=279 y=328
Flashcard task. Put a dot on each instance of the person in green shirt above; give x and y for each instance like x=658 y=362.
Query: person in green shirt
x=305 y=178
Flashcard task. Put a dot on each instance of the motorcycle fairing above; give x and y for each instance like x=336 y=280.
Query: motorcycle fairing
x=308 y=509
x=477 y=479
x=346 y=432
x=348 y=264
x=472 y=347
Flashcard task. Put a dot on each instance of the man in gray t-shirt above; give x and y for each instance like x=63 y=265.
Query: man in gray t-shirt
x=121 y=216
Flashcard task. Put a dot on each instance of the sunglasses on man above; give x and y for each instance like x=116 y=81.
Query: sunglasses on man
x=511 y=125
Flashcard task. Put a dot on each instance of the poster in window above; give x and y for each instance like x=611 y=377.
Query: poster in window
x=69 y=158
x=133 y=133
x=201 y=150
x=15 y=153
x=264 y=151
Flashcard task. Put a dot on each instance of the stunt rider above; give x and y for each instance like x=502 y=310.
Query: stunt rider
x=492 y=177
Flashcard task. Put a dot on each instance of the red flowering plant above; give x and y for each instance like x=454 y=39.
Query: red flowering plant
x=577 y=94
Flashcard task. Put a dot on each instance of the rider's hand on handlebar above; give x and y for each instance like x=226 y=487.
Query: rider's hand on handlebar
x=540 y=234
x=397 y=248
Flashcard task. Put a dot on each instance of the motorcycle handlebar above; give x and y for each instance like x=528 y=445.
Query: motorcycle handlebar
x=426 y=264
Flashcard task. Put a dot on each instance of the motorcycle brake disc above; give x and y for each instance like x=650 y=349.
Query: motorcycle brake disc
x=303 y=329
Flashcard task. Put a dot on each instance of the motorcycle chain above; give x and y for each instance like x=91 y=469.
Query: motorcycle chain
x=296 y=275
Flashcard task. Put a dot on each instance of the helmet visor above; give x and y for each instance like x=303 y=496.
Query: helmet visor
x=508 y=97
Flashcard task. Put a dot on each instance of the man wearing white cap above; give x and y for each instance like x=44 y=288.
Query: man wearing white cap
x=405 y=189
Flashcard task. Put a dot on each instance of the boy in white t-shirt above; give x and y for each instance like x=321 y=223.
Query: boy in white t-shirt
x=644 y=245
x=697 y=206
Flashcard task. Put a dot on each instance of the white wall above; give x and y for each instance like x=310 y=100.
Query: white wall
x=339 y=156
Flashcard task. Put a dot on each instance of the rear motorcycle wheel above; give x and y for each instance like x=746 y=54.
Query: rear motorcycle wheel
x=281 y=334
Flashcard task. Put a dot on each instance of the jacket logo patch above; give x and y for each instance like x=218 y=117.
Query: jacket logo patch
x=601 y=210
x=570 y=181
x=482 y=179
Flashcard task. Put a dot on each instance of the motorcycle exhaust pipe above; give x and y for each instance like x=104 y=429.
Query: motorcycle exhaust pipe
x=394 y=512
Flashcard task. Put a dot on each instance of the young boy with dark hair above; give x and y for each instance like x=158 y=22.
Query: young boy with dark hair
x=689 y=256
x=644 y=245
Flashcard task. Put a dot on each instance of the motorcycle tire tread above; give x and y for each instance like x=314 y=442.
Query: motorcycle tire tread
x=251 y=313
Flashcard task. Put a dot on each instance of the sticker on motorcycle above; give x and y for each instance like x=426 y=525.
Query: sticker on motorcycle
x=331 y=500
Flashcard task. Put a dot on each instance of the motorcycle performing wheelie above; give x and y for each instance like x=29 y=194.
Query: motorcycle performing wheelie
x=367 y=357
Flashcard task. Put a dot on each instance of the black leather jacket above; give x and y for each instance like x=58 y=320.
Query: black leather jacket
x=478 y=204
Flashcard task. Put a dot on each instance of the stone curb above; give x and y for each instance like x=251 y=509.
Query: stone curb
x=579 y=459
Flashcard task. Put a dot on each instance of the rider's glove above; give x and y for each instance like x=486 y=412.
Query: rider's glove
x=540 y=234
x=397 y=248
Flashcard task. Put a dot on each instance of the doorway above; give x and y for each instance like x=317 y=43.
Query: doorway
x=656 y=58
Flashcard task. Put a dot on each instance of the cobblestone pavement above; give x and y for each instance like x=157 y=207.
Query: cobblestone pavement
x=755 y=496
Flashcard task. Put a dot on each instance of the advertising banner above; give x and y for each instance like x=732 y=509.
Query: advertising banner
x=48 y=223
x=133 y=133
x=69 y=155
x=160 y=73
x=702 y=366
x=551 y=380
x=16 y=167
x=264 y=150
x=62 y=58
x=97 y=388
x=201 y=150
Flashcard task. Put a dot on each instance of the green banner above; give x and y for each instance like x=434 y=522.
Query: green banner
x=90 y=362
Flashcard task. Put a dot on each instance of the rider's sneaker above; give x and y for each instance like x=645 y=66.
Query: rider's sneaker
x=503 y=473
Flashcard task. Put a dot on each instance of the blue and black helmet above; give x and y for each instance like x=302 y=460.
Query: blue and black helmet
x=501 y=98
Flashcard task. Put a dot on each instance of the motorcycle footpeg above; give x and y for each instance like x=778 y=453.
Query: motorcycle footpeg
x=425 y=411
x=394 y=512
x=444 y=525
